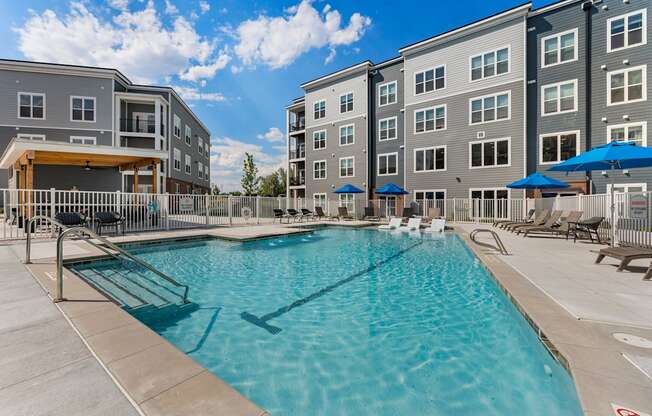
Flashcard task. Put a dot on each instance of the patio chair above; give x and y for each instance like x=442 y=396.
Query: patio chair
x=540 y=219
x=526 y=220
x=563 y=227
x=105 y=219
x=294 y=214
x=626 y=255
x=407 y=213
x=369 y=214
x=413 y=224
x=394 y=223
x=589 y=226
x=319 y=213
x=307 y=214
x=71 y=219
x=437 y=225
x=343 y=213
x=551 y=222
x=279 y=215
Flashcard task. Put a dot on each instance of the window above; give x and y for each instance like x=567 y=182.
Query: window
x=388 y=164
x=177 y=188
x=207 y=148
x=31 y=105
x=387 y=129
x=83 y=140
x=177 y=127
x=557 y=147
x=627 y=85
x=631 y=132
x=319 y=169
x=188 y=135
x=200 y=145
x=627 y=31
x=346 y=102
x=490 y=64
x=82 y=109
x=387 y=93
x=188 y=165
x=35 y=137
x=200 y=169
x=559 y=98
x=490 y=108
x=430 y=195
x=348 y=201
x=320 y=109
x=177 y=159
x=430 y=80
x=347 y=168
x=627 y=187
x=499 y=208
x=319 y=200
x=430 y=159
x=559 y=48
x=430 y=119
x=347 y=135
x=319 y=140
x=489 y=153
x=207 y=174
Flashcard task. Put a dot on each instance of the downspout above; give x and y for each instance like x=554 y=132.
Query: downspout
x=587 y=7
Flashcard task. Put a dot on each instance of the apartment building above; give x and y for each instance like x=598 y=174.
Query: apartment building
x=76 y=127
x=480 y=106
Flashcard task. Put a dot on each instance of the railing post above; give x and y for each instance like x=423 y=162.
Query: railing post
x=206 y=205
x=53 y=207
x=257 y=209
x=230 y=210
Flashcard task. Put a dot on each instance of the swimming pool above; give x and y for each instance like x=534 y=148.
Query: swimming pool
x=352 y=322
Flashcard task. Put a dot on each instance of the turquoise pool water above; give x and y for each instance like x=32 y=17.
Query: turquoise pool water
x=357 y=322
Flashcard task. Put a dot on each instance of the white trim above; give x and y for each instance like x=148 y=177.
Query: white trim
x=23 y=126
x=509 y=193
x=434 y=148
x=94 y=120
x=83 y=140
x=186 y=138
x=325 y=139
x=434 y=120
x=434 y=80
x=186 y=165
x=28 y=136
x=340 y=120
x=467 y=91
x=495 y=52
x=575 y=32
x=509 y=108
x=642 y=185
x=339 y=166
x=176 y=152
x=314 y=162
x=627 y=126
x=626 y=71
x=626 y=32
x=313 y=108
x=495 y=141
x=558 y=86
x=578 y=145
x=339 y=130
x=387 y=84
x=174 y=126
x=31 y=94
x=386 y=155
x=347 y=102
x=395 y=118
x=434 y=191
x=320 y=194
x=308 y=84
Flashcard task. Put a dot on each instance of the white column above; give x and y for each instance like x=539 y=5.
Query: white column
x=116 y=123
x=157 y=124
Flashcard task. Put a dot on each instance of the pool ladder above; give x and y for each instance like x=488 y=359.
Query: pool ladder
x=499 y=244
x=104 y=245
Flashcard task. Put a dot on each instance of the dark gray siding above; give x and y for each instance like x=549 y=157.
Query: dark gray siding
x=187 y=119
x=69 y=177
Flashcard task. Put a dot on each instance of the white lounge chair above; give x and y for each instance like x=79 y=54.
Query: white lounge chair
x=394 y=223
x=413 y=225
x=437 y=225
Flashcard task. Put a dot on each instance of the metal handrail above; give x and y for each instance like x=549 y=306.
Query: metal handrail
x=499 y=242
x=105 y=242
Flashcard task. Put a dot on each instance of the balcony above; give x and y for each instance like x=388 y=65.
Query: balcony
x=136 y=125
x=298 y=180
x=298 y=125
x=299 y=152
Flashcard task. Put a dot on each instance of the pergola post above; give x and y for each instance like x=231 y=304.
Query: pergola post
x=154 y=178
x=135 y=179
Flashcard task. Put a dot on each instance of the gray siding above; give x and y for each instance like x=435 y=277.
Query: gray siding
x=69 y=177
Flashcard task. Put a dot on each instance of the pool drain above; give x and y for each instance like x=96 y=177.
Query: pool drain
x=633 y=340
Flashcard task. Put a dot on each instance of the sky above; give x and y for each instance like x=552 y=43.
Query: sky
x=236 y=63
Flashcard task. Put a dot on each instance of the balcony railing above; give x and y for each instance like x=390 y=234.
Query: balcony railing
x=136 y=125
x=298 y=125
x=298 y=180
x=299 y=152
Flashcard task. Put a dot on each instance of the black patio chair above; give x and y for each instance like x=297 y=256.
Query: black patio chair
x=71 y=219
x=294 y=214
x=279 y=215
x=109 y=219
x=307 y=214
x=589 y=226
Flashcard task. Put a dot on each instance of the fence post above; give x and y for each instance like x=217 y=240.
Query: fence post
x=257 y=209
x=229 y=210
x=206 y=205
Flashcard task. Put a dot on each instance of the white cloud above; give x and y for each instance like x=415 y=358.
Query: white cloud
x=119 y=4
x=136 y=42
x=203 y=72
x=331 y=55
x=194 y=94
x=278 y=41
x=272 y=135
x=227 y=157
x=170 y=8
x=204 y=7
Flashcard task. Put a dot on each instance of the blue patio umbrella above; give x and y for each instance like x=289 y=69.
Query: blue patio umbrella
x=610 y=156
x=391 y=189
x=349 y=189
x=538 y=181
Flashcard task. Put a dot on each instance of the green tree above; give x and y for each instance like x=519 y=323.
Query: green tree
x=215 y=190
x=269 y=185
x=249 y=179
x=282 y=181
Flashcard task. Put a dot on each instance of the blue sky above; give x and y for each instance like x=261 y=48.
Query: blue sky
x=237 y=63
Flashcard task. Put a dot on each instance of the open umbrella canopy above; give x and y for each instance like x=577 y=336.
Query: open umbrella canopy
x=349 y=189
x=538 y=181
x=391 y=189
x=614 y=155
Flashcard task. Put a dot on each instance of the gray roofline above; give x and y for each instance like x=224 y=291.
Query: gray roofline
x=387 y=62
x=553 y=6
x=333 y=75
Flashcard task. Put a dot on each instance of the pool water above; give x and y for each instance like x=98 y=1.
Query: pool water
x=355 y=322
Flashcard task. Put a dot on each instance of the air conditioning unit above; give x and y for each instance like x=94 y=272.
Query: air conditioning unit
x=480 y=135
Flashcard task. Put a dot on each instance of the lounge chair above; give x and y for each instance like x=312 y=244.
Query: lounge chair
x=407 y=213
x=589 y=226
x=540 y=219
x=105 y=219
x=307 y=214
x=319 y=214
x=526 y=220
x=551 y=222
x=343 y=213
x=369 y=214
x=394 y=223
x=294 y=214
x=413 y=224
x=626 y=255
x=563 y=227
x=437 y=225
x=279 y=215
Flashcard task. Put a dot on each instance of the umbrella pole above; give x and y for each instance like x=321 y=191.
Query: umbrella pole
x=613 y=207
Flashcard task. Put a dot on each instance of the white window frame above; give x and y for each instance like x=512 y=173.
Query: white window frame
x=578 y=145
x=558 y=86
x=642 y=185
x=325 y=139
x=495 y=52
x=434 y=191
x=188 y=165
x=322 y=196
x=346 y=94
x=187 y=137
x=339 y=129
x=315 y=170
x=625 y=16
x=176 y=130
x=509 y=193
x=395 y=129
x=387 y=156
x=313 y=109
x=87 y=140
x=177 y=188
x=626 y=71
x=387 y=84
x=94 y=99
x=626 y=126
x=200 y=145
x=339 y=167
x=207 y=174
x=495 y=141
x=176 y=157
x=200 y=170
x=31 y=94
x=575 y=33
x=434 y=108
x=34 y=137
x=434 y=148
x=509 y=108
x=434 y=80
x=207 y=148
